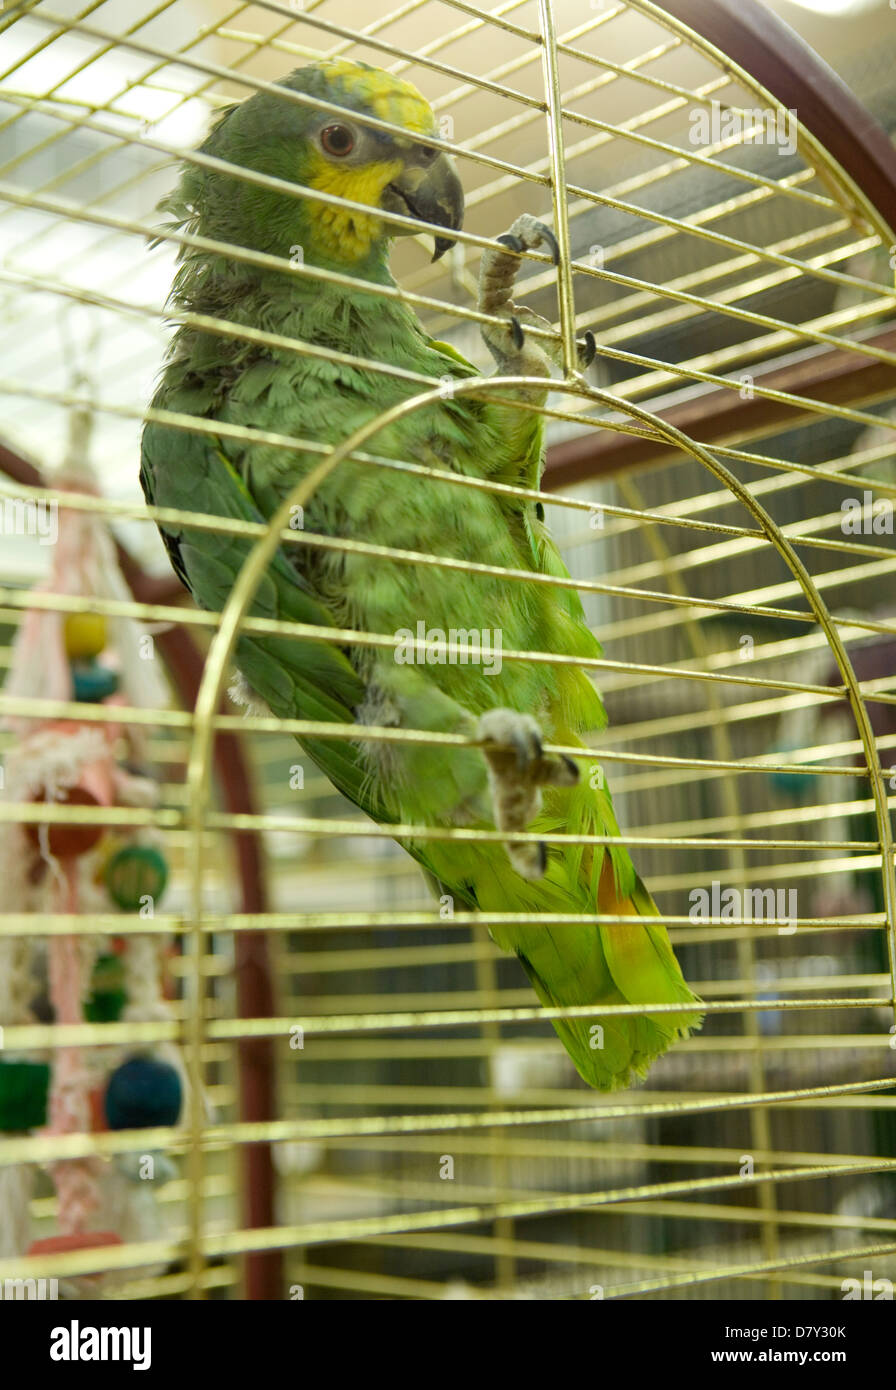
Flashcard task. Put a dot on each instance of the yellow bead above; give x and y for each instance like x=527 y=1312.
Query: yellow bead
x=85 y=635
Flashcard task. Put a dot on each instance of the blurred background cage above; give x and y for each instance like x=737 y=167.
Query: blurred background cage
x=378 y=1110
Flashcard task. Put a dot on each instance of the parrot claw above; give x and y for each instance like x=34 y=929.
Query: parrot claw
x=517 y=769
x=571 y=769
x=587 y=350
x=528 y=745
x=548 y=237
x=519 y=337
x=536 y=233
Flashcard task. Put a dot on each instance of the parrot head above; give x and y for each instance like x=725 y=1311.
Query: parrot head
x=332 y=153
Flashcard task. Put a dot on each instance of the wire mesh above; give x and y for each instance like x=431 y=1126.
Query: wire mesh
x=430 y=1138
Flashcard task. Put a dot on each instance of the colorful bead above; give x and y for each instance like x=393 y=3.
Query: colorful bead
x=93 y=683
x=135 y=873
x=23 y=1095
x=85 y=635
x=143 y=1093
x=108 y=995
x=66 y=841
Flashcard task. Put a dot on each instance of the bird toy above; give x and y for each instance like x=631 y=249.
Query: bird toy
x=75 y=868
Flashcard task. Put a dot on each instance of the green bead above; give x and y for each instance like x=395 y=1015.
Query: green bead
x=134 y=873
x=106 y=1007
x=24 y=1087
x=107 y=996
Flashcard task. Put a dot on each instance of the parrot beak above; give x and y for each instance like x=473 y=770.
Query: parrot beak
x=430 y=190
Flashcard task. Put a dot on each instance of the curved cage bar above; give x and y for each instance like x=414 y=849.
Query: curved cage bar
x=719 y=482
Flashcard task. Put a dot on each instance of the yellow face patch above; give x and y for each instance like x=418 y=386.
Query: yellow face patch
x=341 y=233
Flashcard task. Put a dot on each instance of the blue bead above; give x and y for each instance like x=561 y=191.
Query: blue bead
x=92 y=682
x=143 y=1092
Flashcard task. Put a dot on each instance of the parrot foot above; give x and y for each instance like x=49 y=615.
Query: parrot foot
x=508 y=344
x=517 y=769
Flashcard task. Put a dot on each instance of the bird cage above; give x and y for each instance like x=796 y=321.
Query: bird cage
x=372 y=1102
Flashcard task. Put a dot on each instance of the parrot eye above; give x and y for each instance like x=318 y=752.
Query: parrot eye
x=427 y=153
x=338 y=140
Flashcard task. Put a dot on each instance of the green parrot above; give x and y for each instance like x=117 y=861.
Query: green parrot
x=502 y=780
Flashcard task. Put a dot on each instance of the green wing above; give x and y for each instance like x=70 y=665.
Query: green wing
x=313 y=679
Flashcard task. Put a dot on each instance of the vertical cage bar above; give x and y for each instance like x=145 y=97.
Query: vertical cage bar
x=554 y=108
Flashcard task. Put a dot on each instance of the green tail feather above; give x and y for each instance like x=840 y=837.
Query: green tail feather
x=583 y=965
x=625 y=965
